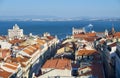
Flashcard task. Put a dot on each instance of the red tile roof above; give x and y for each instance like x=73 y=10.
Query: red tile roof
x=79 y=35
x=21 y=47
x=5 y=52
x=41 y=41
x=91 y=34
x=63 y=64
x=50 y=63
x=11 y=67
x=28 y=51
x=90 y=39
x=19 y=59
x=31 y=49
x=86 y=52
x=82 y=35
x=50 y=37
x=4 y=74
x=58 y=63
x=16 y=41
x=117 y=34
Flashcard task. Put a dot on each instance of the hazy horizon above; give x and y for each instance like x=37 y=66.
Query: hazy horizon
x=60 y=8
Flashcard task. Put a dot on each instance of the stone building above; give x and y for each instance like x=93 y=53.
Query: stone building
x=16 y=32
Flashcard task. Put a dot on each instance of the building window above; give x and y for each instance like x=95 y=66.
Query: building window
x=81 y=72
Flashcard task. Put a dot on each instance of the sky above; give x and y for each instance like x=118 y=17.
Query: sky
x=60 y=8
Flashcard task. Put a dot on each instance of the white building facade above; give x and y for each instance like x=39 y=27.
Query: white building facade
x=16 y=32
x=78 y=31
x=5 y=45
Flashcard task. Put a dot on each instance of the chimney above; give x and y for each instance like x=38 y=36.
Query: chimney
x=62 y=57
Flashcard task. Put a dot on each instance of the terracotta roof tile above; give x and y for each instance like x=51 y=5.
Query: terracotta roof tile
x=40 y=41
x=50 y=37
x=91 y=34
x=19 y=59
x=50 y=63
x=58 y=63
x=64 y=64
x=5 y=52
x=31 y=48
x=79 y=35
x=4 y=73
x=11 y=67
x=28 y=51
x=21 y=47
x=117 y=34
x=16 y=41
x=89 y=39
x=82 y=35
x=86 y=52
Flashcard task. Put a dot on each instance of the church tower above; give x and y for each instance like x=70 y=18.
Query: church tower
x=73 y=31
x=106 y=32
x=113 y=30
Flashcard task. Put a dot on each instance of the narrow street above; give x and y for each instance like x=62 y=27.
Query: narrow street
x=37 y=67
